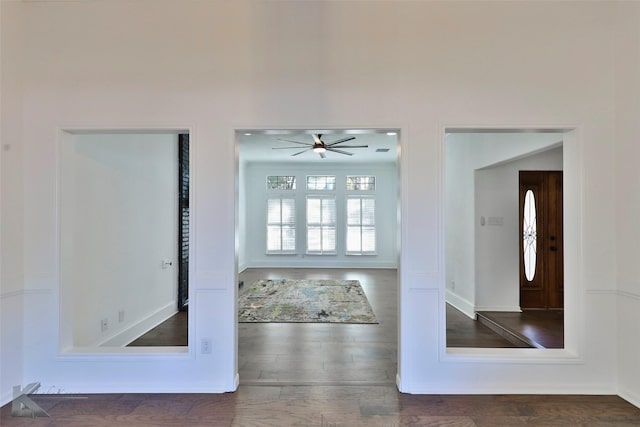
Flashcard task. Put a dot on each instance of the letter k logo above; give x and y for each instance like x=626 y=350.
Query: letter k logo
x=23 y=406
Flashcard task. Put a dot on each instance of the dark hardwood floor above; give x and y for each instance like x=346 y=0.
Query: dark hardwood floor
x=535 y=328
x=323 y=353
x=463 y=331
x=349 y=406
x=171 y=332
x=330 y=375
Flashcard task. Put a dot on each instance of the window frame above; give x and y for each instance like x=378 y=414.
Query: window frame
x=281 y=179
x=334 y=179
x=349 y=190
x=320 y=225
x=281 y=226
x=360 y=226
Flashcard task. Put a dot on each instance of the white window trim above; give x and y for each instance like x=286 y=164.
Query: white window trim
x=295 y=226
x=358 y=191
x=335 y=226
x=295 y=183
x=346 y=227
x=335 y=183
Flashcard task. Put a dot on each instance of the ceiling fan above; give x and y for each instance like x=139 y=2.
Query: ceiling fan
x=320 y=147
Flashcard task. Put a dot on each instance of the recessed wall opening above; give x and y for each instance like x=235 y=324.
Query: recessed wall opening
x=510 y=239
x=124 y=240
x=318 y=208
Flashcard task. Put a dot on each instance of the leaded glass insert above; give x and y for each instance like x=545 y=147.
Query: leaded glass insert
x=529 y=235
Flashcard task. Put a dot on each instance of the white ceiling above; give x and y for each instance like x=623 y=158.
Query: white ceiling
x=257 y=145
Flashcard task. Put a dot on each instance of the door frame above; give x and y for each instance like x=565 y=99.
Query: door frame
x=399 y=131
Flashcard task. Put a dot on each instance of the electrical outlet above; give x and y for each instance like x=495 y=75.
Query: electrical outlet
x=104 y=324
x=205 y=346
x=121 y=316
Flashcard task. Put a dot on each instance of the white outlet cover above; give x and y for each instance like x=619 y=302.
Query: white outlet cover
x=205 y=346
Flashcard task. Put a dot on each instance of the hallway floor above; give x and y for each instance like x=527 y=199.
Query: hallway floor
x=348 y=406
x=329 y=375
x=532 y=328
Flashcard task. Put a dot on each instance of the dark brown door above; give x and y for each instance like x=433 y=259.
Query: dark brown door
x=541 y=243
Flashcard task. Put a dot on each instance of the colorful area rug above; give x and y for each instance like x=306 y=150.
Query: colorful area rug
x=313 y=301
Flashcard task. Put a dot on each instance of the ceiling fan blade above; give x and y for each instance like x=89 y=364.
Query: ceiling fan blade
x=300 y=152
x=283 y=148
x=349 y=138
x=339 y=151
x=295 y=142
x=350 y=146
x=322 y=155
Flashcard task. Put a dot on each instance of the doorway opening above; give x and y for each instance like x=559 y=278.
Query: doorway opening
x=283 y=172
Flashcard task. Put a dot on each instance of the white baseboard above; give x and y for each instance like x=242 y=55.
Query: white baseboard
x=6 y=398
x=461 y=304
x=141 y=327
x=513 y=309
x=134 y=387
x=630 y=397
x=309 y=263
x=511 y=388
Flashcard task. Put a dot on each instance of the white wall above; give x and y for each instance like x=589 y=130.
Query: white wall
x=416 y=66
x=497 y=251
x=386 y=195
x=11 y=202
x=627 y=193
x=464 y=154
x=118 y=210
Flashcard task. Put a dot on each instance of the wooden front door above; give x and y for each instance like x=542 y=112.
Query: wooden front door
x=541 y=242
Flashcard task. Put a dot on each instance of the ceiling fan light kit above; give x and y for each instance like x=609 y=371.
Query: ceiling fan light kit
x=320 y=147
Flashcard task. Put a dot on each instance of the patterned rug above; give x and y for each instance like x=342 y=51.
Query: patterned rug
x=314 y=301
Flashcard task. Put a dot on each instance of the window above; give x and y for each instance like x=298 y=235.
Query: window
x=321 y=225
x=529 y=235
x=321 y=182
x=361 y=225
x=281 y=182
x=281 y=225
x=361 y=182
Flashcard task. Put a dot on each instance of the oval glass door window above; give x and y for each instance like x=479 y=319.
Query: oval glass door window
x=529 y=235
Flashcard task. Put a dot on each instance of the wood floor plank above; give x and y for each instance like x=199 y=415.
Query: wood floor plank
x=540 y=328
x=360 y=405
